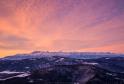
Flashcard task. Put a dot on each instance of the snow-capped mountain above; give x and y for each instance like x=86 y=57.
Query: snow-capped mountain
x=72 y=67
x=77 y=55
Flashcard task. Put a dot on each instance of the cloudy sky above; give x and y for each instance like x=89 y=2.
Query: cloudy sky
x=61 y=25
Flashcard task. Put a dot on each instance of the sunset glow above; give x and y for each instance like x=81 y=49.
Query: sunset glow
x=61 y=25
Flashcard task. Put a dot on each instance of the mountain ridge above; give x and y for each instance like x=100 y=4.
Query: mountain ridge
x=40 y=54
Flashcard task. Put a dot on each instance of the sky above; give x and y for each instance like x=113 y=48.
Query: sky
x=61 y=25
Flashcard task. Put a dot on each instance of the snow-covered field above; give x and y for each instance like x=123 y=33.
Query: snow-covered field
x=4 y=75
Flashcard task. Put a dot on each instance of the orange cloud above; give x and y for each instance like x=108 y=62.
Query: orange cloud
x=79 y=25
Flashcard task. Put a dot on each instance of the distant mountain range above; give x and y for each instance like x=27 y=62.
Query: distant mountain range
x=62 y=68
x=78 y=55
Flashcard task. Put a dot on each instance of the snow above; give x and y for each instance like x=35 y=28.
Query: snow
x=20 y=74
x=23 y=75
x=61 y=59
x=27 y=67
x=78 y=55
x=109 y=73
x=9 y=72
x=90 y=63
x=107 y=58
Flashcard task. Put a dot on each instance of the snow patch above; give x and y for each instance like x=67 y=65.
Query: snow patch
x=91 y=63
x=23 y=75
x=9 y=72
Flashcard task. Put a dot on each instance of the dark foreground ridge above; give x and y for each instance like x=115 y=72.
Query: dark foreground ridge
x=69 y=74
x=62 y=70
